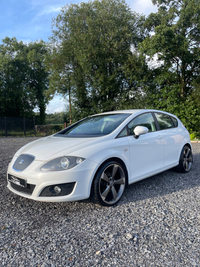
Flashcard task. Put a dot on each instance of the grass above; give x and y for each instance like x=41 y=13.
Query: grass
x=19 y=134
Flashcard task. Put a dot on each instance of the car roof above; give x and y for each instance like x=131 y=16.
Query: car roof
x=129 y=111
x=132 y=111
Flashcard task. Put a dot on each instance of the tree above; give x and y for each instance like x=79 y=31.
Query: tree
x=176 y=42
x=137 y=79
x=57 y=118
x=91 y=43
x=15 y=98
x=60 y=75
x=38 y=81
x=23 y=78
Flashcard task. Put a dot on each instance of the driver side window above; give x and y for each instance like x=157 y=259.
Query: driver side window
x=145 y=120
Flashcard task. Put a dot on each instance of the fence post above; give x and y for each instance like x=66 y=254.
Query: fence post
x=6 y=127
x=34 y=126
x=24 y=126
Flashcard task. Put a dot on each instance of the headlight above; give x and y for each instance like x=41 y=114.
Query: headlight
x=62 y=163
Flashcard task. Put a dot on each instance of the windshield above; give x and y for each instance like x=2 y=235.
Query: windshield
x=95 y=126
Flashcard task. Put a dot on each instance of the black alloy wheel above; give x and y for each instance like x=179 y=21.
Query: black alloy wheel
x=186 y=159
x=109 y=184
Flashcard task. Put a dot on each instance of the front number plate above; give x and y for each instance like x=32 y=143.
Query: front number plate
x=18 y=181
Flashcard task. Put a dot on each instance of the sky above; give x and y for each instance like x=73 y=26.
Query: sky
x=30 y=20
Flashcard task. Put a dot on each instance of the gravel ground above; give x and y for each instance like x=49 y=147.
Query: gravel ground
x=156 y=223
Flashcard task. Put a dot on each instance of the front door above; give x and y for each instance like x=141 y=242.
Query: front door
x=147 y=151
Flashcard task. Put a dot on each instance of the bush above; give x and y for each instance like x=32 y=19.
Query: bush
x=195 y=136
x=45 y=130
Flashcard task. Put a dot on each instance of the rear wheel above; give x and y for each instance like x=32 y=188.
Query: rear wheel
x=186 y=160
x=109 y=184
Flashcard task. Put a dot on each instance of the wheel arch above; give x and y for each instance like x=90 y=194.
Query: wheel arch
x=180 y=167
x=188 y=144
x=120 y=161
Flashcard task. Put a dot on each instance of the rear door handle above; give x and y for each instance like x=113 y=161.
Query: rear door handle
x=160 y=137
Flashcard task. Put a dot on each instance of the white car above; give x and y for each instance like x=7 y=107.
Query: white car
x=99 y=156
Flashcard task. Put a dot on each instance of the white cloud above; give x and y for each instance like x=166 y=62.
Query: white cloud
x=154 y=62
x=60 y=109
x=142 y=6
x=57 y=104
x=26 y=41
x=50 y=9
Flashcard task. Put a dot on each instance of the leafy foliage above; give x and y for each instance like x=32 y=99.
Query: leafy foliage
x=91 y=45
x=57 y=118
x=23 y=78
x=98 y=56
x=176 y=42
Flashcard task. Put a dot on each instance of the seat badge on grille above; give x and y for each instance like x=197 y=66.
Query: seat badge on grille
x=21 y=161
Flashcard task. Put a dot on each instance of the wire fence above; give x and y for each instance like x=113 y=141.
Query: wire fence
x=26 y=126
x=17 y=126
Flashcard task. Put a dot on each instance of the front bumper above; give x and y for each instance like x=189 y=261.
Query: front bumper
x=36 y=181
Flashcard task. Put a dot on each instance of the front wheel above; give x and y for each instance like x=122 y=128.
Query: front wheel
x=109 y=184
x=186 y=159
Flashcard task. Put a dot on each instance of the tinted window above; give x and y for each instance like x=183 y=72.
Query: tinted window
x=175 y=122
x=96 y=125
x=124 y=132
x=164 y=121
x=145 y=120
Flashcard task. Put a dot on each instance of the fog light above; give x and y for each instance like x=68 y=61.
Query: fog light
x=57 y=189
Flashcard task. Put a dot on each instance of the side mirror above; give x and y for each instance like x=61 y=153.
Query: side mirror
x=140 y=130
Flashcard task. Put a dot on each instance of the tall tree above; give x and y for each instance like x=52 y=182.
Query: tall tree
x=92 y=43
x=37 y=76
x=60 y=75
x=138 y=78
x=176 y=43
x=23 y=78
x=15 y=98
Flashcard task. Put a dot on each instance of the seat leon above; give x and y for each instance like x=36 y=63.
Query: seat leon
x=99 y=156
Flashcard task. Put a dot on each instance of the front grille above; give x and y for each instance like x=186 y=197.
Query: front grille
x=26 y=190
x=66 y=189
x=23 y=161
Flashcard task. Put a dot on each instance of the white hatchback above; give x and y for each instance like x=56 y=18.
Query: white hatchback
x=99 y=156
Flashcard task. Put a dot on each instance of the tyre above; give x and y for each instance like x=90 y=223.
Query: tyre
x=186 y=160
x=109 y=184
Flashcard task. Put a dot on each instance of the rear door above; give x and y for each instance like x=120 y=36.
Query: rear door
x=172 y=137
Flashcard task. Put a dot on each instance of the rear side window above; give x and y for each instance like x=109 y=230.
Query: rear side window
x=164 y=121
x=175 y=122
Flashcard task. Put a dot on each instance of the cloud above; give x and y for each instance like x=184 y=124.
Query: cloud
x=57 y=104
x=50 y=9
x=143 y=6
x=60 y=109
x=26 y=41
x=154 y=62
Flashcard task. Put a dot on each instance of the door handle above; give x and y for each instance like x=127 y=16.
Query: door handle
x=160 y=137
